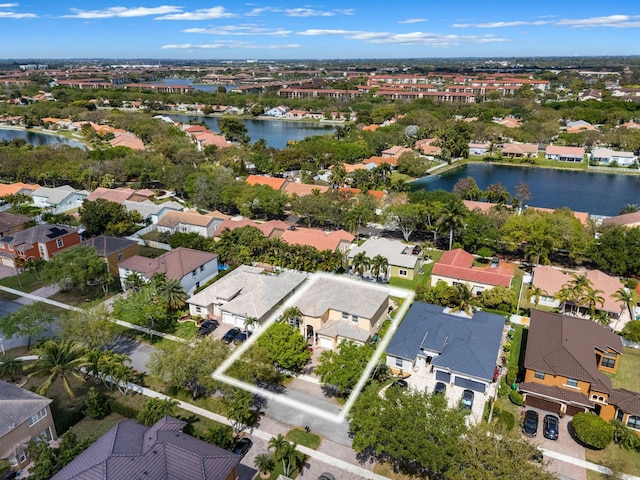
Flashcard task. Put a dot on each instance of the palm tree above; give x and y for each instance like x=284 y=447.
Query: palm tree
x=10 y=366
x=452 y=217
x=57 y=360
x=134 y=280
x=628 y=298
x=172 y=293
x=629 y=208
x=284 y=451
x=250 y=322
x=292 y=316
x=379 y=264
x=462 y=299
x=535 y=293
x=360 y=263
x=338 y=176
x=264 y=463
x=592 y=299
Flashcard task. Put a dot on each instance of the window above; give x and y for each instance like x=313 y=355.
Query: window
x=202 y=268
x=197 y=284
x=345 y=316
x=399 y=362
x=198 y=309
x=13 y=460
x=633 y=422
x=38 y=416
x=572 y=382
x=59 y=243
x=355 y=319
x=195 y=272
x=620 y=415
x=539 y=375
x=608 y=362
x=22 y=456
x=2 y=244
x=45 y=436
x=402 y=272
x=41 y=248
x=120 y=256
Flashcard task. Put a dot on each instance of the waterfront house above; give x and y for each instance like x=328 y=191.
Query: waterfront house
x=606 y=156
x=479 y=149
x=564 y=154
x=396 y=151
x=625 y=220
x=520 y=150
x=40 y=241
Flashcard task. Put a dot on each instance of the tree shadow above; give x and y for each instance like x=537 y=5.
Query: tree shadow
x=123 y=344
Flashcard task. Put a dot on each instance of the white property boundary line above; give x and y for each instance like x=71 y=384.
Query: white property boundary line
x=219 y=374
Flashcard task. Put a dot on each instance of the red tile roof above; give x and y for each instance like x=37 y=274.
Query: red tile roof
x=458 y=264
x=316 y=238
x=393 y=161
x=302 y=189
x=273 y=182
x=117 y=195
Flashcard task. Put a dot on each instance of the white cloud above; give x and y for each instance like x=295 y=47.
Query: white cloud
x=17 y=16
x=240 y=30
x=200 y=14
x=227 y=45
x=413 y=38
x=413 y=20
x=300 y=12
x=8 y=5
x=614 y=21
x=123 y=12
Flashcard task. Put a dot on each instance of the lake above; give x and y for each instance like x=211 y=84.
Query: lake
x=37 y=138
x=275 y=132
x=196 y=86
x=595 y=193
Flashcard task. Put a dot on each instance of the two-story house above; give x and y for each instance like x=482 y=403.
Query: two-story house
x=336 y=309
x=40 y=241
x=191 y=222
x=59 y=199
x=565 y=363
x=113 y=250
x=12 y=223
x=192 y=267
x=24 y=416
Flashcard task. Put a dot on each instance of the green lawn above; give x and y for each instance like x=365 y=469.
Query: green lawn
x=25 y=282
x=418 y=279
x=301 y=437
x=91 y=428
x=622 y=460
x=186 y=330
x=627 y=374
x=92 y=293
x=150 y=252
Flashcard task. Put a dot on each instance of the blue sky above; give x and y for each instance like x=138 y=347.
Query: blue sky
x=327 y=30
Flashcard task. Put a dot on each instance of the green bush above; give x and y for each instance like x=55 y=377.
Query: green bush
x=96 y=406
x=120 y=409
x=624 y=436
x=631 y=331
x=592 y=430
x=507 y=420
x=516 y=398
x=512 y=373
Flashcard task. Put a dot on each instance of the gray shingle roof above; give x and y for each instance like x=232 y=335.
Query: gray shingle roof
x=106 y=245
x=392 y=250
x=132 y=451
x=465 y=345
x=17 y=405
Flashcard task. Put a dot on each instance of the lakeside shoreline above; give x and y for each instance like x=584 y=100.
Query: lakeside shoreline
x=310 y=121
x=44 y=131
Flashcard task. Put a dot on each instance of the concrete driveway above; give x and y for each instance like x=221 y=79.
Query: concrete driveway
x=565 y=445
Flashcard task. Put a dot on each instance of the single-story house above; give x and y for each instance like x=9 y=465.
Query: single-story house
x=336 y=309
x=116 y=195
x=564 y=154
x=191 y=222
x=456 y=267
x=338 y=240
x=273 y=182
x=520 y=150
x=606 y=156
x=479 y=149
x=625 y=220
x=192 y=267
x=131 y=450
x=152 y=212
x=402 y=263
x=245 y=292
x=459 y=350
x=59 y=199
x=396 y=151
x=25 y=416
x=113 y=250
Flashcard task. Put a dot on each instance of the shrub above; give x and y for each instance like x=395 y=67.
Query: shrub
x=592 y=430
x=96 y=406
x=507 y=420
x=512 y=373
x=624 y=436
x=120 y=409
x=516 y=398
x=631 y=331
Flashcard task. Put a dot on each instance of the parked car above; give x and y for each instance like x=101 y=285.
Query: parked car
x=326 y=476
x=242 y=446
x=550 y=427
x=230 y=335
x=440 y=388
x=207 y=327
x=416 y=250
x=495 y=261
x=242 y=336
x=400 y=383
x=467 y=399
x=530 y=424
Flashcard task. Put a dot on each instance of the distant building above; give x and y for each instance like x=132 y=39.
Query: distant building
x=40 y=241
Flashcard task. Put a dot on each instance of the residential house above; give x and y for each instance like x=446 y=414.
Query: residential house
x=12 y=223
x=582 y=216
x=482 y=207
x=402 y=262
x=40 y=241
x=456 y=267
x=564 y=154
x=192 y=267
x=606 y=156
x=625 y=220
x=131 y=450
x=479 y=149
x=377 y=161
x=566 y=362
x=25 y=416
x=426 y=147
x=552 y=281
x=273 y=182
x=335 y=309
x=59 y=199
x=280 y=111
x=7 y=189
x=396 y=151
x=116 y=195
x=520 y=150
x=509 y=122
x=579 y=126
x=303 y=189
x=152 y=212
x=143 y=195
x=458 y=350
x=128 y=140
x=339 y=240
x=245 y=292
x=191 y=222
x=113 y=250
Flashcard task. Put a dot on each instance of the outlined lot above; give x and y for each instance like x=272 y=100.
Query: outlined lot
x=307 y=406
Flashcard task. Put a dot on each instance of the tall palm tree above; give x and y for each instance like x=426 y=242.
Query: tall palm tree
x=172 y=293
x=250 y=322
x=452 y=217
x=379 y=264
x=629 y=208
x=628 y=298
x=536 y=293
x=592 y=299
x=10 y=366
x=360 y=263
x=284 y=451
x=463 y=299
x=58 y=360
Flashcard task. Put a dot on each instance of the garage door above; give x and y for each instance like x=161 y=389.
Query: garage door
x=572 y=410
x=7 y=262
x=443 y=376
x=470 y=384
x=326 y=342
x=227 y=318
x=542 y=404
x=238 y=321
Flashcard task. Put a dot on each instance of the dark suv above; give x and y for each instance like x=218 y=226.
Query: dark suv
x=230 y=335
x=530 y=423
x=550 y=427
x=207 y=327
